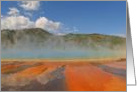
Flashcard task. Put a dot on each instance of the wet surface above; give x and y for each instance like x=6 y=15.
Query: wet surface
x=60 y=76
x=115 y=71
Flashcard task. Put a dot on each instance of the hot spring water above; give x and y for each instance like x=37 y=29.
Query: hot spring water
x=58 y=54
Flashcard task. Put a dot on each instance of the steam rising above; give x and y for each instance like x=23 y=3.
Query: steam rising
x=68 y=46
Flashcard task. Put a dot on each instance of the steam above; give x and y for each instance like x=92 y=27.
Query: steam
x=59 y=47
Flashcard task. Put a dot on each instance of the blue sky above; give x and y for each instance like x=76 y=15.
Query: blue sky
x=105 y=17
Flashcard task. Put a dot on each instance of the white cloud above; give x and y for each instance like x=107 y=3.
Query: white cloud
x=18 y=22
x=41 y=22
x=21 y=22
x=13 y=11
x=46 y=24
x=30 y=5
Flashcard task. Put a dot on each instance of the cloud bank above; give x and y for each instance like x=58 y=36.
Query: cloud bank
x=47 y=24
x=21 y=22
x=15 y=20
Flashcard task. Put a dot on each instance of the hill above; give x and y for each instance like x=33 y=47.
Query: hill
x=36 y=37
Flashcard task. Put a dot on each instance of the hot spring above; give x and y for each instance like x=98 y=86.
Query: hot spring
x=59 y=54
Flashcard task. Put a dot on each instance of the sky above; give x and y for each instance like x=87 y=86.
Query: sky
x=60 y=17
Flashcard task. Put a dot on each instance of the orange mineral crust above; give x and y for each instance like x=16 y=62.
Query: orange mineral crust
x=63 y=76
x=89 y=77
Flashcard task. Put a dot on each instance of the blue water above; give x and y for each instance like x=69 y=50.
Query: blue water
x=57 y=54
